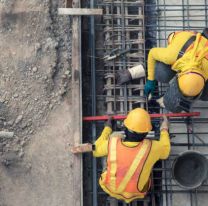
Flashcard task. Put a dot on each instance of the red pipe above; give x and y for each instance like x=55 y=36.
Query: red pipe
x=121 y=117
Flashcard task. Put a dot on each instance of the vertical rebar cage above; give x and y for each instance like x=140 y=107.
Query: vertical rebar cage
x=124 y=47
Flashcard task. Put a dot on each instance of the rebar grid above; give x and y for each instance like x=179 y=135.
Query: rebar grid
x=123 y=27
x=123 y=30
x=174 y=16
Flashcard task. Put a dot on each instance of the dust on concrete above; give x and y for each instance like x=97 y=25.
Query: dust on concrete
x=45 y=175
x=34 y=86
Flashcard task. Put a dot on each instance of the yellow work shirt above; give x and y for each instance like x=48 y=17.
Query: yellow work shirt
x=159 y=150
x=169 y=55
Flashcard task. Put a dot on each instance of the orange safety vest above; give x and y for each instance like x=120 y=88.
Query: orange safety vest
x=124 y=166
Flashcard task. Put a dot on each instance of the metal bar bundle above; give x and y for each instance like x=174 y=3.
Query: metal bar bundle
x=121 y=117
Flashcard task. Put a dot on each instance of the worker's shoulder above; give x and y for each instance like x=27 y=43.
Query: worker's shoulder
x=116 y=134
x=156 y=144
x=183 y=35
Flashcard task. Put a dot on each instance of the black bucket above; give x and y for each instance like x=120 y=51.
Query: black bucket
x=190 y=169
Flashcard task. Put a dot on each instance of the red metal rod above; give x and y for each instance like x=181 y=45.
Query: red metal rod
x=121 y=117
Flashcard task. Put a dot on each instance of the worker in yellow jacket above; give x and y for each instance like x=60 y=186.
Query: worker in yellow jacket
x=186 y=58
x=184 y=61
x=130 y=157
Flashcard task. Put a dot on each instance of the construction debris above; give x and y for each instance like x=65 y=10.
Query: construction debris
x=5 y=134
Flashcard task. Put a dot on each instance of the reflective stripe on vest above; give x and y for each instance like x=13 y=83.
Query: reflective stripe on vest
x=113 y=166
x=141 y=153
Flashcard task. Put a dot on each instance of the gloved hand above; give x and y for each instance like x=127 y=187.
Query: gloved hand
x=149 y=87
x=109 y=122
x=136 y=72
x=123 y=76
x=164 y=124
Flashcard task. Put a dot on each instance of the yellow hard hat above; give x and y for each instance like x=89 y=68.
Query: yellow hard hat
x=191 y=83
x=138 y=120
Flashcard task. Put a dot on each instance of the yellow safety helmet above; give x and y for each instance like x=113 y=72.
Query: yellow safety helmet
x=191 y=83
x=138 y=120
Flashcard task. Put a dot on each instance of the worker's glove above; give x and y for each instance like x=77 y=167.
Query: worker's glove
x=109 y=122
x=149 y=87
x=124 y=76
x=164 y=124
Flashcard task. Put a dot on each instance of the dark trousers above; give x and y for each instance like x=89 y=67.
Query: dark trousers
x=164 y=73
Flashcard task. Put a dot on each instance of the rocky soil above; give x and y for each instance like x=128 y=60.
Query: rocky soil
x=34 y=67
x=34 y=99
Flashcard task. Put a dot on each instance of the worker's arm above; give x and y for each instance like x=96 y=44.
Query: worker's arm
x=164 y=144
x=164 y=55
x=99 y=149
x=164 y=139
x=101 y=144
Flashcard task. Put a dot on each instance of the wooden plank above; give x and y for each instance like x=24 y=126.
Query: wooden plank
x=79 y=11
x=76 y=138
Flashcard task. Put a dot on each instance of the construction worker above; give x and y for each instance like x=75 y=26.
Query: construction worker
x=185 y=61
x=130 y=156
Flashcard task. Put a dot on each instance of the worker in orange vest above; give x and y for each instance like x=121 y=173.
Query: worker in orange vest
x=130 y=157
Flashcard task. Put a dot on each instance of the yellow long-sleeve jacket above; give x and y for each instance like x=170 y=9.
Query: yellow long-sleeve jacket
x=159 y=150
x=169 y=55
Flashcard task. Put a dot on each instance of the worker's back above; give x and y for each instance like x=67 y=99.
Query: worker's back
x=119 y=165
x=178 y=42
x=159 y=150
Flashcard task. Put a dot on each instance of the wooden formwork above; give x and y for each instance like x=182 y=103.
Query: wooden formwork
x=77 y=105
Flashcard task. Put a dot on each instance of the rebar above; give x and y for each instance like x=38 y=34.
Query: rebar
x=125 y=24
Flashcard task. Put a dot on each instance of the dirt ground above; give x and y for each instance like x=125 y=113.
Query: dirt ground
x=34 y=104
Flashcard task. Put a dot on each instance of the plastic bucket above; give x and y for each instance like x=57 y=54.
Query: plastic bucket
x=190 y=169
